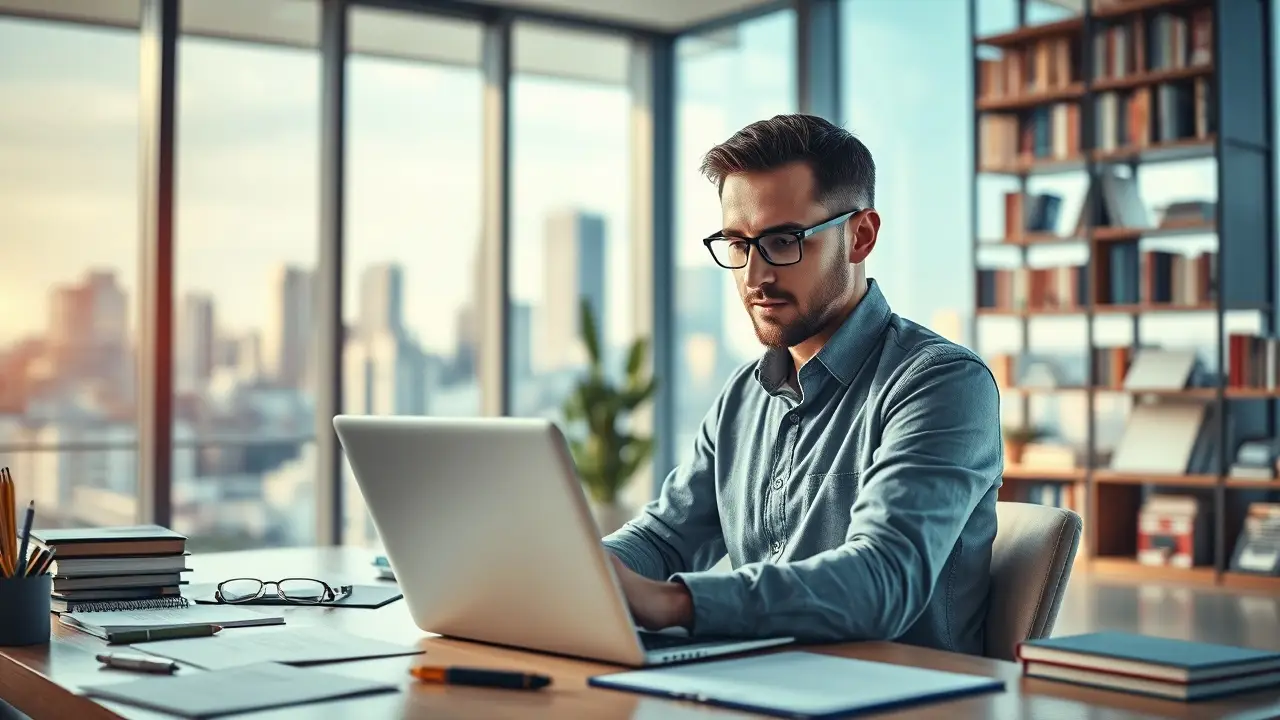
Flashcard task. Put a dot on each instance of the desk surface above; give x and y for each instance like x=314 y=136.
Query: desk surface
x=42 y=681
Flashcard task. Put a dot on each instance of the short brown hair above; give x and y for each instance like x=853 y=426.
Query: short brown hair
x=843 y=170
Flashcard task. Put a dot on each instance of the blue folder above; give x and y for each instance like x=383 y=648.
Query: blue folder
x=800 y=684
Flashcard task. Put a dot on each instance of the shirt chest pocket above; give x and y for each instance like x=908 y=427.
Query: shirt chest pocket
x=827 y=498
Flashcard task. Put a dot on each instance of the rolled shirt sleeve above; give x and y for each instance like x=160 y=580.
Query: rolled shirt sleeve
x=940 y=455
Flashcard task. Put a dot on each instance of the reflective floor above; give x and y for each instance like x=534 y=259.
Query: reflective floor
x=1189 y=613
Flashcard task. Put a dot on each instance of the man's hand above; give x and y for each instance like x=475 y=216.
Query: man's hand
x=654 y=605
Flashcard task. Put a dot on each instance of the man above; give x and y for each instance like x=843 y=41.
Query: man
x=851 y=473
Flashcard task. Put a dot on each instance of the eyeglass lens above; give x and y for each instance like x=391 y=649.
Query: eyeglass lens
x=298 y=590
x=777 y=249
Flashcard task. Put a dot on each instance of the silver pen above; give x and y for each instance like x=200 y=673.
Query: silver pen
x=140 y=663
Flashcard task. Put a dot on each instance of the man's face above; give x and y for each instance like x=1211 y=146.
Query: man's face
x=791 y=303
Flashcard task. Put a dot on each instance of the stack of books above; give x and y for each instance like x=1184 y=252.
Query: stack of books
x=114 y=568
x=1147 y=665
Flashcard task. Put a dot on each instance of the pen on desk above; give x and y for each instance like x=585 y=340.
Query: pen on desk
x=26 y=535
x=140 y=663
x=480 y=677
x=125 y=637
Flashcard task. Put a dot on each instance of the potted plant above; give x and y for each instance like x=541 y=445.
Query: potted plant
x=1016 y=439
x=608 y=454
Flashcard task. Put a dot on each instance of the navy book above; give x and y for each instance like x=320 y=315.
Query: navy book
x=1150 y=665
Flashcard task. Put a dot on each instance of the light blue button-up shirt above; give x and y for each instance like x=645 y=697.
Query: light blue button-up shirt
x=860 y=505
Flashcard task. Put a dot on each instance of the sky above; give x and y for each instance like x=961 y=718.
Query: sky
x=248 y=177
x=248 y=172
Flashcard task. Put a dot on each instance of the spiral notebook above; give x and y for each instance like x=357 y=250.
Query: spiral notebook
x=103 y=602
x=103 y=623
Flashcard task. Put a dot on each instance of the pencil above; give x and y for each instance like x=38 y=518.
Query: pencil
x=6 y=525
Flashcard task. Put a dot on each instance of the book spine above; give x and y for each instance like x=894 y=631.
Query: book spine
x=176 y=601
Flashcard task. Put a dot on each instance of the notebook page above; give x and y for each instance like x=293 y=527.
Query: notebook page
x=118 y=620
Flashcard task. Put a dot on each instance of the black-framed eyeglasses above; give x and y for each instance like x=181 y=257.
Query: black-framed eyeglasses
x=303 y=591
x=779 y=248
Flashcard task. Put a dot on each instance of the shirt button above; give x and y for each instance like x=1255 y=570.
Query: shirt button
x=777 y=484
x=777 y=546
x=794 y=418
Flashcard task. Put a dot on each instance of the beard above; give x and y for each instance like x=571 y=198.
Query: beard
x=811 y=315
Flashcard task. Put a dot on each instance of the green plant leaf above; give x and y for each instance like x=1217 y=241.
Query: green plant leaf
x=590 y=334
x=635 y=358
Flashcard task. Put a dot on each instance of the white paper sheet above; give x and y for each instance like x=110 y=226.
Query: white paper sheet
x=256 y=687
x=291 y=645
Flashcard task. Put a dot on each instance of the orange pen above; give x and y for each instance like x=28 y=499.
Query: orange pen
x=480 y=677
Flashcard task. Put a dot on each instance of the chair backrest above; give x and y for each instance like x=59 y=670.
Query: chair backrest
x=1031 y=561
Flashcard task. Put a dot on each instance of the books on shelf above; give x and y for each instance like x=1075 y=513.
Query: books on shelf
x=1024 y=288
x=1046 y=132
x=1253 y=361
x=1148 y=665
x=115 y=568
x=1111 y=365
x=1030 y=213
x=1165 y=41
x=1255 y=460
x=1039 y=67
x=1173 y=531
x=1258 y=547
x=1128 y=275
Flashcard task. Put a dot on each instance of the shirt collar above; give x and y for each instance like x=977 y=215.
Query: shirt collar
x=844 y=354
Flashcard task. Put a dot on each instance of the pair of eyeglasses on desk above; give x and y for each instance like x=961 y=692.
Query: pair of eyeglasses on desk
x=302 y=591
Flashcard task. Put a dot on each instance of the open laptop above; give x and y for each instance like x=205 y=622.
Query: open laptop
x=489 y=535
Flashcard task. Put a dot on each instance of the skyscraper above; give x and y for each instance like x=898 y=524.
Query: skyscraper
x=381 y=300
x=89 y=331
x=573 y=266
x=196 y=343
x=385 y=368
x=289 y=334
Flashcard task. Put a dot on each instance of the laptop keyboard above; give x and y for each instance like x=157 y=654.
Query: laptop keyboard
x=664 y=641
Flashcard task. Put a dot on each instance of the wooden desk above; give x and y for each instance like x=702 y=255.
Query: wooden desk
x=42 y=681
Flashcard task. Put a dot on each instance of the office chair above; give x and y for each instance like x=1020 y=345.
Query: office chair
x=1031 y=561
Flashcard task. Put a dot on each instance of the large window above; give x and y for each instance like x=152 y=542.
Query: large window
x=247 y=210
x=907 y=97
x=726 y=80
x=69 y=248
x=412 y=282
x=569 y=238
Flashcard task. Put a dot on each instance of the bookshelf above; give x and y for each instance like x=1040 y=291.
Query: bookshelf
x=1099 y=95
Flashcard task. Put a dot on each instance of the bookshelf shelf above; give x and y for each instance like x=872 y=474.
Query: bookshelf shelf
x=1016 y=472
x=1026 y=34
x=1126 y=234
x=1112 y=10
x=1032 y=239
x=1176 y=150
x=1145 y=308
x=1125 y=478
x=1026 y=101
x=1047 y=166
x=1137 y=80
x=1046 y=390
x=1246 y=581
x=1129 y=568
x=1112 y=97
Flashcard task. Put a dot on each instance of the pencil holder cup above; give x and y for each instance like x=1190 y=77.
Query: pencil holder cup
x=24 y=610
